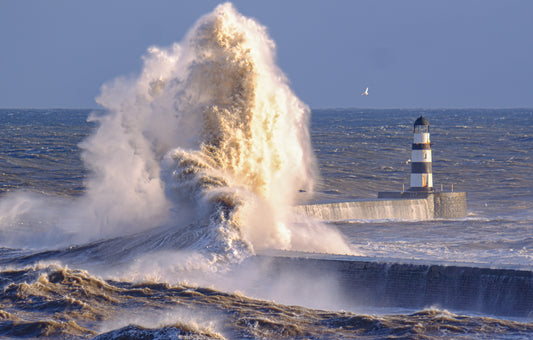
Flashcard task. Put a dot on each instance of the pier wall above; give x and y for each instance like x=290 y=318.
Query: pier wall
x=363 y=282
x=369 y=209
x=391 y=205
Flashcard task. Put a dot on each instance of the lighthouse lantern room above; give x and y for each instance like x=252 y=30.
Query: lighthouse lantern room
x=421 y=172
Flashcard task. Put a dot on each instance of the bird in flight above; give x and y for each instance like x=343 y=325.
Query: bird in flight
x=365 y=93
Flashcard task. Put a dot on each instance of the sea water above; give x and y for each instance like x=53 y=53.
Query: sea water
x=130 y=221
x=40 y=155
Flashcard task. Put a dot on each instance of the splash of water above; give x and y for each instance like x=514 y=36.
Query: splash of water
x=252 y=150
x=232 y=135
x=209 y=138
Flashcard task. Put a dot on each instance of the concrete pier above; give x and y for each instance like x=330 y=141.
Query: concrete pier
x=417 y=209
x=394 y=283
x=444 y=204
x=406 y=205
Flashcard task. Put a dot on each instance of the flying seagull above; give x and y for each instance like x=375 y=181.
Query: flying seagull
x=365 y=93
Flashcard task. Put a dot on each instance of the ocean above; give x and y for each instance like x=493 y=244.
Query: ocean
x=141 y=220
x=81 y=291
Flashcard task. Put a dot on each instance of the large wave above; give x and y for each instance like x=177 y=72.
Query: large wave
x=208 y=138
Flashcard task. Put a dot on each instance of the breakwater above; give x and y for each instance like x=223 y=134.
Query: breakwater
x=391 y=283
x=391 y=205
x=368 y=210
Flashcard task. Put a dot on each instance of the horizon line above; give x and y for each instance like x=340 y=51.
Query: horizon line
x=312 y=109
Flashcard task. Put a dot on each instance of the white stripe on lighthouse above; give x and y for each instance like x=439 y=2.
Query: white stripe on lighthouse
x=421 y=138
x=421 y=156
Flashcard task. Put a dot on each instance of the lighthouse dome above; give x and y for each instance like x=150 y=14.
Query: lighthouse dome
x=421 y=121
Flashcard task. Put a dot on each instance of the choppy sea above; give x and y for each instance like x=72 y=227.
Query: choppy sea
x=137 y=285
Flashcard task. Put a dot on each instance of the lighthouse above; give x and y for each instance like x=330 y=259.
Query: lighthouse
x=438 y=204
x=421 y=173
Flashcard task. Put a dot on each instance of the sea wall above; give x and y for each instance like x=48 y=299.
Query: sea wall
x=368 y=209
x=391 y=205
x=363 y=282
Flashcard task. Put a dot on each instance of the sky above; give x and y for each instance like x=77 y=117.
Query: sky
x=410 y=53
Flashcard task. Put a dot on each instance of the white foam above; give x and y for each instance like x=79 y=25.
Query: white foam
x=209 y=124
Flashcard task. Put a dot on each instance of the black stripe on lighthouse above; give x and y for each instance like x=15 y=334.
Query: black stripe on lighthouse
x=421 y=168
x=421 y=146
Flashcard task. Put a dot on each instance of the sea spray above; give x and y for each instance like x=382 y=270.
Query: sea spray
x=209 y=140
x=231 y=136
x=252 y=152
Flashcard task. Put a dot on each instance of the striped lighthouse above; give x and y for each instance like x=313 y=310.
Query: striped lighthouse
x=421 y=175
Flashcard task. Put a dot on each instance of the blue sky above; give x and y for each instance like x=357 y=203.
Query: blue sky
x=411 y=54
